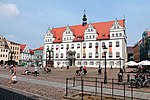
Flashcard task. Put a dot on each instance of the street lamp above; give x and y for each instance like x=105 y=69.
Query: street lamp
x=49 y=52
x=105 y=73
x=120 y=61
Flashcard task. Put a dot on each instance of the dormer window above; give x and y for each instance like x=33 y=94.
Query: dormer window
x=103 y=35
x=112 y=35
x=120 y=34
x=118 y=27
x=84 y=45
x=93 y=36
x=65 y=39
x=86 y=37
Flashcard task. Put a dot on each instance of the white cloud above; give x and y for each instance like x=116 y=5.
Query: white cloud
x=8 y=10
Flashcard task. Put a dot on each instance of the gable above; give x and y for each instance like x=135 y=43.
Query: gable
x=102 y=29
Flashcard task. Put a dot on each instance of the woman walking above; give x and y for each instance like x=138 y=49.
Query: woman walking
x=13 y=74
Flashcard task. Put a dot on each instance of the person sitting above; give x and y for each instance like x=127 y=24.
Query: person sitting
x=26 y=72
x=84 y=70
x=47 y=69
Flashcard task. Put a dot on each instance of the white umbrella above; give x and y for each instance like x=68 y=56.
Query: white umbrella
x=146 y=63
x=131 y=63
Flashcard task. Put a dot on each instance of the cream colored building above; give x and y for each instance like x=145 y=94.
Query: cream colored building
x=14 y=51
x=4 y=50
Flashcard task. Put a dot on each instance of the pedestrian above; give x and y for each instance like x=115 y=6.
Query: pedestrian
x=35 y=70
x=99 y=69
x=13 y=74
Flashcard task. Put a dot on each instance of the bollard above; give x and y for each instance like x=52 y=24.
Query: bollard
x=128 y=78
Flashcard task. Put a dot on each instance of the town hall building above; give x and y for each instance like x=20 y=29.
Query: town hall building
x=82 y=45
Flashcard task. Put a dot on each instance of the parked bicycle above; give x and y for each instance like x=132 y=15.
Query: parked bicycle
x=140 y=81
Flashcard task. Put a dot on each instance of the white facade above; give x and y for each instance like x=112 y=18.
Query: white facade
x=91 y=46
x=25 y=54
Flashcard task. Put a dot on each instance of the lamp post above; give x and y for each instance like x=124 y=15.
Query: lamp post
x=120 y=61
x=49 y=55
x=105 y=72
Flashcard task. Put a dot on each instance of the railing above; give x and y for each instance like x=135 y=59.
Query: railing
x=82 y=84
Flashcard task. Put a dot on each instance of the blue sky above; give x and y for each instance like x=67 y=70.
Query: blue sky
x=26 y=21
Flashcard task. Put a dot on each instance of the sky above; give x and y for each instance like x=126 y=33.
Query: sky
x=26 y=21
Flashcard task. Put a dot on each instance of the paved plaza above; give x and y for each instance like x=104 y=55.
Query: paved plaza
x=58 y=77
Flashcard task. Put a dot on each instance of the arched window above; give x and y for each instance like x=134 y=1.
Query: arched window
x=93 y=36
x=72 y=46
x=112 y=35
x=117 y=54
x=116 y=34
x=52 y=47
x=56 y=55
x=120 y=34
x=103 y=55
x=90 y=37
x=62 y=46
x=96 y=44
x=110 y=44
x=56 y=47
x=96 y=55
x=78 y=45
x=61 y=55
x=117 y=43
x=111 y=63
x=90 y=55
x=84 y=45
x=90 y=45
x=103 y=44
x=110 y=54
x=67 y=46
x=84 y=55
x=85 y=62
x=78 y=55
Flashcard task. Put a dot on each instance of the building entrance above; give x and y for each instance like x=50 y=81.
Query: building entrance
x=70 y=58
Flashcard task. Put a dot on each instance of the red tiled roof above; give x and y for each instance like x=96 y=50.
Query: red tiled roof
x=102 y=29
x=31 y=51
x=40 y=48
x=22 y=46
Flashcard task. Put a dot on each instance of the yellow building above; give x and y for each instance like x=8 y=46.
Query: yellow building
x=14 y=53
